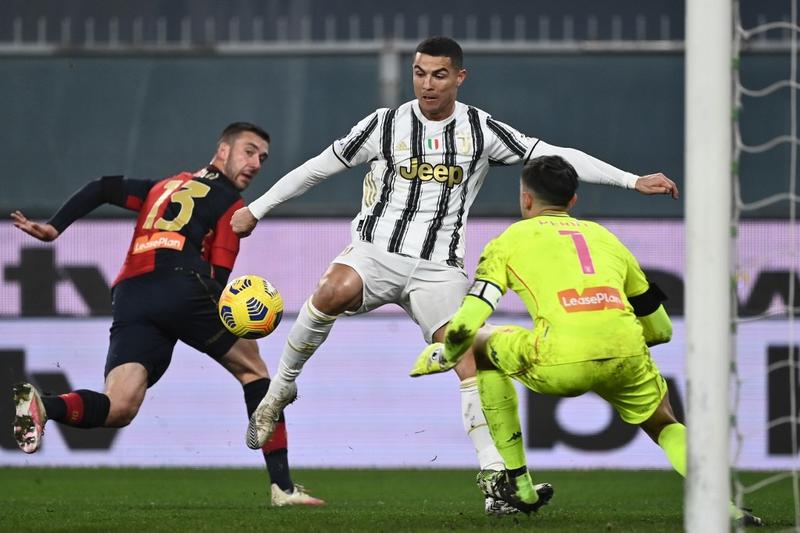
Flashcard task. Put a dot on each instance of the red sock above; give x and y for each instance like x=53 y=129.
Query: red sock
x=278 y=440
x=74 y=403
x=277 y=458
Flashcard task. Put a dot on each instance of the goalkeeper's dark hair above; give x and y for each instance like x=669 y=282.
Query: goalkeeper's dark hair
x=551 y=178
x=234 y=129
x=443 y=47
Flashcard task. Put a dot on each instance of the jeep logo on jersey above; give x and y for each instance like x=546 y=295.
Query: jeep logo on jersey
x=449 y=174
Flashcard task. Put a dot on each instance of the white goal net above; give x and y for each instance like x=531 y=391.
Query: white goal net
x=765 y=130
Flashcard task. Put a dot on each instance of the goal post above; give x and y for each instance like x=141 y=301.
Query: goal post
x=708 y=292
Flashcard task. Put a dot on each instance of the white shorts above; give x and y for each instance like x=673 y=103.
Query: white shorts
x=429 y=292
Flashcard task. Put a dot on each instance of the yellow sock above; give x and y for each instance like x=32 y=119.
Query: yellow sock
x=499 y=403
x=672 y=440
x=525 y=490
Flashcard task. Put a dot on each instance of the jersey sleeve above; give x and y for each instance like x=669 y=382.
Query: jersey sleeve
x=656 y=326
x=225 y=245
x=493 y=263
x=134 y=193
x=297 y=181
x=361 y=144
x=115 y=190
x=635 y=281
x=358 y=146
x=505 y=145
x=589 y=169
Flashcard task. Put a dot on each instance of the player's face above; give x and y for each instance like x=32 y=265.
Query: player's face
x=436 y=83
x=244 y=158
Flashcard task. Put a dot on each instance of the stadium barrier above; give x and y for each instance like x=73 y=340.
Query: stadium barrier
x=358 y=408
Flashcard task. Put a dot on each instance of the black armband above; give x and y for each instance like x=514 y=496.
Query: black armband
x=647 y=302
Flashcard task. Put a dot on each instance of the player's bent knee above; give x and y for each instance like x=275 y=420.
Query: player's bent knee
x=479 y=346
x=482 y=361
x=661 y=418
x=336 y=298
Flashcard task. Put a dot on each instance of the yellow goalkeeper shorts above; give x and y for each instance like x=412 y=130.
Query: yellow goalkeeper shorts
x=632 y=385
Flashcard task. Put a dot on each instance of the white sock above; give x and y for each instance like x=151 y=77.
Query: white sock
x=308 y=332
x=476 y=427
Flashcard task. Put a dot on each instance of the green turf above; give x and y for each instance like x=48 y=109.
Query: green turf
x=41 y=499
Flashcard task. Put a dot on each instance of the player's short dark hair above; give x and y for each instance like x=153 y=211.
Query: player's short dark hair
x=233 y=130
x=443 y=47
x=551 y=178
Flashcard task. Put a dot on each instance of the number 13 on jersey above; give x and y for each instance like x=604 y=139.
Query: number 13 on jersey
x=189 y=190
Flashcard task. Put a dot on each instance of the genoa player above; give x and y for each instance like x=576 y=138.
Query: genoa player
x=594 y=314
x=181 y=255
x=428 y=159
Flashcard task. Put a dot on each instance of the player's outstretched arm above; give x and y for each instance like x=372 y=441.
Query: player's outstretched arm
x=657 y=184
x=647 y=306
x=293 y=184
x=44 y=232
x=106 y=190
x=593 y=170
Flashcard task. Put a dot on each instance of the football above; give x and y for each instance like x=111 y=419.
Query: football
x=250 y=307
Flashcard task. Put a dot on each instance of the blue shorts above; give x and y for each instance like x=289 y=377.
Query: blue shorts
x=155 y=310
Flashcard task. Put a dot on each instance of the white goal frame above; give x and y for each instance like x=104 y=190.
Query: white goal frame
x=708 y=290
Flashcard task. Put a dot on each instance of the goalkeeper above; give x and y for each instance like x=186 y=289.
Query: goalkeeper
x=594 y=314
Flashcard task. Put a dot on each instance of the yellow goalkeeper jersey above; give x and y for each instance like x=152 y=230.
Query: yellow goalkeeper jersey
x=574 y=277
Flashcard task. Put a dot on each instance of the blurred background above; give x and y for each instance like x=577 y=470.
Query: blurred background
x=101 y=87
x=95 y=87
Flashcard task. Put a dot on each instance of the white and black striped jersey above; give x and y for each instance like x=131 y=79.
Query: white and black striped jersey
x=424 y=175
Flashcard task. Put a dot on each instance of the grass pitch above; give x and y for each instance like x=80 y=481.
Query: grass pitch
x=44 y=499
